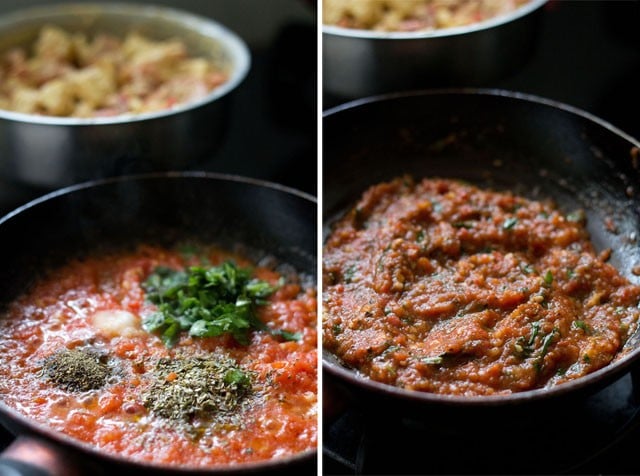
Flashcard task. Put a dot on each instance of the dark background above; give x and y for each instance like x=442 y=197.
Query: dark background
x=273 y=120
x=587 y=55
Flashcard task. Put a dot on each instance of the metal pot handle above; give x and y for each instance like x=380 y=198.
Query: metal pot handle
x=31 y=456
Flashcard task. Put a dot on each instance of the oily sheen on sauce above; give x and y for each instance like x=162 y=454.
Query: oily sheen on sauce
x=439 y=286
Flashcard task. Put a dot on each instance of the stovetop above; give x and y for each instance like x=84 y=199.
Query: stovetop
x=587 y=56
x=595 y=435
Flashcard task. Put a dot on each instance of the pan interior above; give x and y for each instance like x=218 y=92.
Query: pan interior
x=163 y=209
x=500 y=141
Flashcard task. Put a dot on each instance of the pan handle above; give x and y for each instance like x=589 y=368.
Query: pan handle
x=32 y=456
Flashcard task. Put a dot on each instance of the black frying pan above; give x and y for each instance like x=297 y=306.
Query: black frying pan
x=161 y=209
x=535 y=147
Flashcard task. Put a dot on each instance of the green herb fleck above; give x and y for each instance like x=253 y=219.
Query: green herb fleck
x=436 y=360
x=286 y=335
x=349 y=273
x=525 y=347
x=535 y=329
x=527 y=268
x=337 y=329
x=581 y=325
x=586 y=359
x=509 y=223
x=463 y=224
x=548 y=278
x=546 y=342
x=420 y=236
x=206 y=302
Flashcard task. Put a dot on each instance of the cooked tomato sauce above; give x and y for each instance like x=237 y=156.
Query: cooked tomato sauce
x=442 y=287
x=56 y=313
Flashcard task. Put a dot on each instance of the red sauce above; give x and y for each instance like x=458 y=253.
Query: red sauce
x=56 y=314
x=442 y=287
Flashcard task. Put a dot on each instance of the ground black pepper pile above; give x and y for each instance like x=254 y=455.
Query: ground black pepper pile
x=76 y=370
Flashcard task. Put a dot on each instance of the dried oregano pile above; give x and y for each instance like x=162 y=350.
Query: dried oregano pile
x=187 y=391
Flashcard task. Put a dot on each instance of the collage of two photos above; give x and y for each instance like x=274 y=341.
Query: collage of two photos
x=337 y=237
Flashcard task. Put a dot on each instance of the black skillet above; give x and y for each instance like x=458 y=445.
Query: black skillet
x=498 y=139
x=265 y=218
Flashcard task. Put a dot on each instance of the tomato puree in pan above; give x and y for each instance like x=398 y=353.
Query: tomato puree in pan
x=442 y=287
x=91 y=353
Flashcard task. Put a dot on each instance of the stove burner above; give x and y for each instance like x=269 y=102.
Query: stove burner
x=563 y=440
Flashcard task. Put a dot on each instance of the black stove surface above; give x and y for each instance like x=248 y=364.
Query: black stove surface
x=593 y=436
x=587 y=56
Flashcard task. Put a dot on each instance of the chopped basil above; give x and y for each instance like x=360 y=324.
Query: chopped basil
x=206 y=302
x=546 y=341
x=286 y=335
x=581 y=325
x=525 y=348
x=548 y=278
x=527 y=268
x=436 y=360
x=535 y=329
x=463 y=224
x=509 y=223
x=349 y=274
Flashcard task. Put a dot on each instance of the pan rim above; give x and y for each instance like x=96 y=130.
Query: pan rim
x=496 y=92
x=158 y=176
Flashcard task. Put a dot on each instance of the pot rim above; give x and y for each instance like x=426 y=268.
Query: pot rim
x=617 y=368
x=229 y=40
x=43 y=430
x=494 y=22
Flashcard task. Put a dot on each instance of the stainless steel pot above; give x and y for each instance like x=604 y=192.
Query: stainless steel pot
x=52 y=152
x=362 y=62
